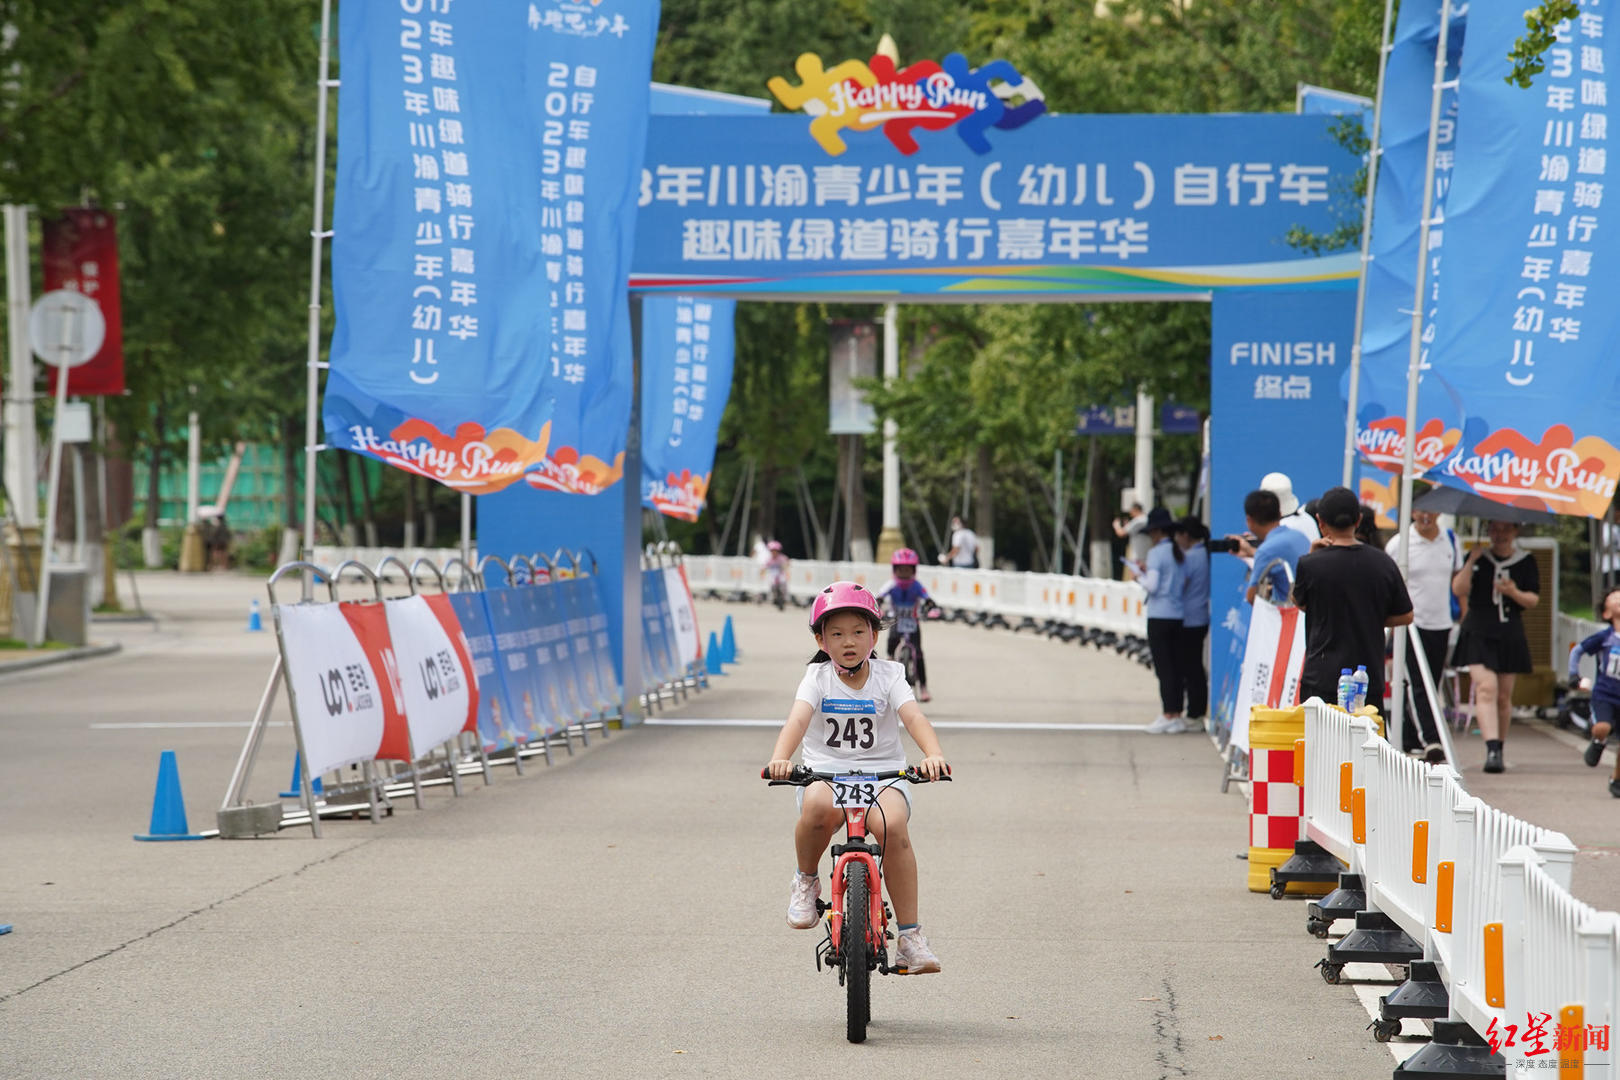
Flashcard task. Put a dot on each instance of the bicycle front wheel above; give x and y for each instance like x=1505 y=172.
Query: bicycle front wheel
x=856 y=951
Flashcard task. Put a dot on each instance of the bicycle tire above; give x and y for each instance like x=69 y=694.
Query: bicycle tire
x=856 y=951
x=906 y=654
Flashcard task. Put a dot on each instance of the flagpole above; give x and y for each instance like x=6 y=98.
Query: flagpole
x=1374 y=153
x=1414 y=364
x=317 y=236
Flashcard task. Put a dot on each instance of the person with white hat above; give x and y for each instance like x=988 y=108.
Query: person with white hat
x=1292 y=518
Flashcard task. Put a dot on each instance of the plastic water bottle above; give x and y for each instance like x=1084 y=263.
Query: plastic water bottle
x=1347 y=688
x=1360 y=680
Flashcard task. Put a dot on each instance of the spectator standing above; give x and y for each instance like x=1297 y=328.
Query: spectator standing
x=1190 y=535
x=1499 y=583
x=1165 y=583
x=1605 y=687
x=964 y=552
x=1131 y=527
x=1433 y=558
x=1350 y=593
x=1271 y=543
x=1291 y=516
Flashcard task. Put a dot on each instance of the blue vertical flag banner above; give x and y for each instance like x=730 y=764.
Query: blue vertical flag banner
x=484 y=218
x=1274 y=406
x=1527 y=324
x=686 y=359
x=1391 y=275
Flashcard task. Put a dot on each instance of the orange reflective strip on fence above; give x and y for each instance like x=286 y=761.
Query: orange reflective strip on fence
x=1299 y=762
x=1571 y=1057
x=1346 y=778
x=1444 y=876
x=1493 y=965
x=1358 y=815
x=1420 y=852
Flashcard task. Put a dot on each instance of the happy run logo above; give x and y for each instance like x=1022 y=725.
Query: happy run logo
x=1561 y=473
x=859 y=95
x=1382 y=442
x=681 y=497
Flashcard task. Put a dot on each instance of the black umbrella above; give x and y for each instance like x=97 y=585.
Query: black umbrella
x=1449 y=500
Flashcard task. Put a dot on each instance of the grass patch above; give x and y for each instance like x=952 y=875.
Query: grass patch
x=13 y=643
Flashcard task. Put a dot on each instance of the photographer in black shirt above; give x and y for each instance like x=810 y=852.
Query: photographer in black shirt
x=1350 y=592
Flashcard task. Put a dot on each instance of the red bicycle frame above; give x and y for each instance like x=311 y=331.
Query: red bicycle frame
x=846 y=853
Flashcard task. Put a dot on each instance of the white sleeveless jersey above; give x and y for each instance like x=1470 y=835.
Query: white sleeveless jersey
x=854 y=729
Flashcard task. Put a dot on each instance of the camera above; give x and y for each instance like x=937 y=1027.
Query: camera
x=1221 y=543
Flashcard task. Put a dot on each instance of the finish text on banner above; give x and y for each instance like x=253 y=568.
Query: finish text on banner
x=487 y=157
x=686 y=357
x=1526 y=331
x=1274 y=407
x=1090 y=204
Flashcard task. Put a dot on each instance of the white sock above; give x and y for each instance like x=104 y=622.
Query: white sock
x=802 y=876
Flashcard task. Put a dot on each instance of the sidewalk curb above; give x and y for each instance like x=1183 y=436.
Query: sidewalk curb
x=84 y=652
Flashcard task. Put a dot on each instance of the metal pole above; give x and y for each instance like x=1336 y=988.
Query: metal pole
x=193 y=467
x=1374 y=152
x=53 y=487
x=630 y=554
x=891 y=430
x=466 y=527
x=1057 y=511
x=22 y=468
x=1144 y=450
x=78 y=504
x=1415 y=358
x=1085 y=515
x=317 y=234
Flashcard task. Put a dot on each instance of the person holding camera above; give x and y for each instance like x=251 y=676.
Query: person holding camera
x=1131 y=527
x=1273 y=550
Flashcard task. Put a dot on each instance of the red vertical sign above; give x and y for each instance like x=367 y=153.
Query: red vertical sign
x=81 y=254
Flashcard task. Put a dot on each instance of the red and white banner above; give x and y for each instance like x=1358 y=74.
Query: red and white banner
x=1273 y=657
x=344 y=684
x=684 y=614
x=80 y=254
x=440 y=691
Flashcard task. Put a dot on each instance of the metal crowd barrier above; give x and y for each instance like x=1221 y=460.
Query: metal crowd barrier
x=517 y=649
x=1482 y=896
x=1100 y=611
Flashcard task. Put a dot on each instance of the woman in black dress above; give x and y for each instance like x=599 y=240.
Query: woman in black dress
x=1498 y=583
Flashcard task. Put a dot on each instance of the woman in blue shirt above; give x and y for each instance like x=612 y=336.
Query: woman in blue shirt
x=1190 y=535
x=1165 y=582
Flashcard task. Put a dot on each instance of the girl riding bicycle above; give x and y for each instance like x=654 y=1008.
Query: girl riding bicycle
x=847 y=716
x=777 y=567
x=908 y=599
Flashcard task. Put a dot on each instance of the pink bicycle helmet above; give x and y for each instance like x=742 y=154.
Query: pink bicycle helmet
x=904 y=557
x=844 y=596
x=774 y=545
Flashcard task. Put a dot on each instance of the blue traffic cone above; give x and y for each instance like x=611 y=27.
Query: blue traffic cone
x=5 y=928
x=295 y=789
x=254 y=621
x=168 y=806
x=711 y=656
x=728 y=644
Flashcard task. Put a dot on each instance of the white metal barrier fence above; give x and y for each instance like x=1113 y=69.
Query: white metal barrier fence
x=1486 y=894
x=1096 y=603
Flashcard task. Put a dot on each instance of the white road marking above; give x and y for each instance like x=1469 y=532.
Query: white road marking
x=164 y=725
x=954 y=725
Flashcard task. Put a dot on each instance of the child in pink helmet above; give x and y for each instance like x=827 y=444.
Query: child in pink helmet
x=909 y=601
x=847 y=715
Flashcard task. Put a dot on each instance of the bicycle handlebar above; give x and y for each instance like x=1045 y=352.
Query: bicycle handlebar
x=804 y=777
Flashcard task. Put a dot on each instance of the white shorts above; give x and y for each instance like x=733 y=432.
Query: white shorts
x=902 y=786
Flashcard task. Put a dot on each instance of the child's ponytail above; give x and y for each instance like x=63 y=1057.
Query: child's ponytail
x=820 y=658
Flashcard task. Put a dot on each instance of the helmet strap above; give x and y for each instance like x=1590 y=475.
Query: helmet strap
x=849 y=672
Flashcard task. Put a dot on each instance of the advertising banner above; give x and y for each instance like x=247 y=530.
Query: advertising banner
x=1524 y=334
x=344 y=684
x=1391 y=275
x=1134 y=205
x=1273 y=659
x=440 y=693
x=683 y=616
x=596 y=693
x=495 y=710
x=486 y=189
x=1274 y=407
x=79 y=252
x=509 y=618
x=686 y=359
x=554 y=637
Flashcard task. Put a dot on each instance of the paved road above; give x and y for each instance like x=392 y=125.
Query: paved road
x=620 y=914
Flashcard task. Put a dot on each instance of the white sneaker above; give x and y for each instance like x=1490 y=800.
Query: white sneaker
x=802 y=912
x=912 y=956
x=1167 y=725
